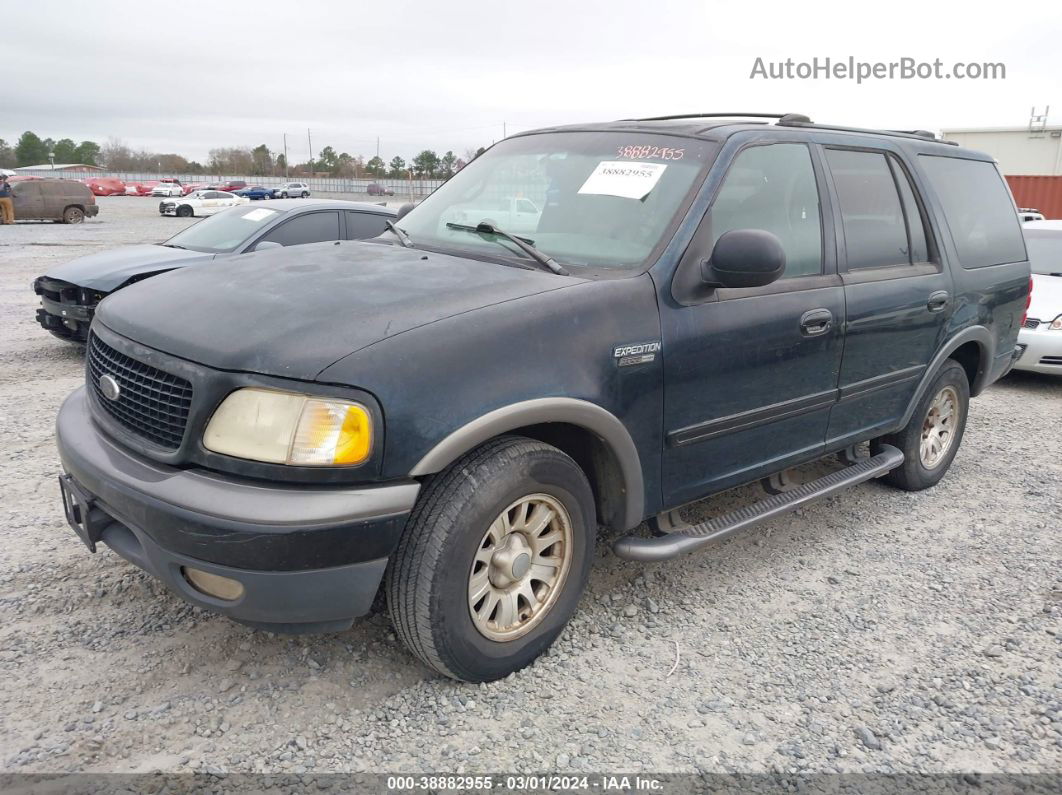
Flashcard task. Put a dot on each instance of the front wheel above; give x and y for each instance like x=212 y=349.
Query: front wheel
x=184 y=211
x=305 y=194
x=493 y=560
x=931 y=439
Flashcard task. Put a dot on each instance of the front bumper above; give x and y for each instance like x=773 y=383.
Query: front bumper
x=66 y=318
x=308 y=558
x=1042 y=350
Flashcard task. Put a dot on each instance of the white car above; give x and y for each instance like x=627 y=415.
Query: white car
x=293 y=190
x=168 y=189
x=515 y=214
x=201 y=202
x=1040 y=337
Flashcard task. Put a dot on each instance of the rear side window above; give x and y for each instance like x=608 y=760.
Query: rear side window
x=979 y=210
x=773 y=188
x=362 y=226
x=308 y=228
x=872 y=215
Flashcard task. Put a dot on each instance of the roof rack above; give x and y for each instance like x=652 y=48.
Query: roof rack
x=676 y=116
x=921 y=135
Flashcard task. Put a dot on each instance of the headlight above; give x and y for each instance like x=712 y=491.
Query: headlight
x=1056 y=324
x=288 y=428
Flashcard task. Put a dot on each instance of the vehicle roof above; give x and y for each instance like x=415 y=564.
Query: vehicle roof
x=328 y=204
x=712 y=127
x=1042 y=226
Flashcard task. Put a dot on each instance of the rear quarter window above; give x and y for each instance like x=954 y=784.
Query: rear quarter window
x=978 y=209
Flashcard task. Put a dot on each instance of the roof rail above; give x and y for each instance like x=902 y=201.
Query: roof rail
x=921 y=135
x=723 y=116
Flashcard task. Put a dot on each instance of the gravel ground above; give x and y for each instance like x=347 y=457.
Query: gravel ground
x=874 y=631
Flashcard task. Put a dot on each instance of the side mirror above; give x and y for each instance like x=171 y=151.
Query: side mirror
x=744 y=258
x=265 y=245
x=403 y=211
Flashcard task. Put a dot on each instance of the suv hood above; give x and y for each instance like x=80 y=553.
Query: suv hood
x=109 y=270
x=293 y=312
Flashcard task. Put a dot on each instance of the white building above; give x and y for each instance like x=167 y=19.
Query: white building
x=1019 y=150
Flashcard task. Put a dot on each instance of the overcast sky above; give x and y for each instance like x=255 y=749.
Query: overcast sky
x=186 y=77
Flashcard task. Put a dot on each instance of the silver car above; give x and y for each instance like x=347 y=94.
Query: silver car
x=293 y=190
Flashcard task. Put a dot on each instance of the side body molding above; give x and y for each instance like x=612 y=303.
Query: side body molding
x=978 y=334
x=605 y=425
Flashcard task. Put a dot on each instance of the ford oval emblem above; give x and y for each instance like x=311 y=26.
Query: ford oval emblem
x=109 y=387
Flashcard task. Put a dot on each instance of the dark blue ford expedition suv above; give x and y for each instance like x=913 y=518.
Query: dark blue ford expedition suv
x=587 y=327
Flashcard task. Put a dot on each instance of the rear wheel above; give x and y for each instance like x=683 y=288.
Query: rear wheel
x=931 y=439
x=73 y=215
x=494 y=559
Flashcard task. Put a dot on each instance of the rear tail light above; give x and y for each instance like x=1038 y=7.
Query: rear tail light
x=1028 y=302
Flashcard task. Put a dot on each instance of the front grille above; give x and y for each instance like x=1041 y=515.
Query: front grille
x=1030 y=323
x=151 y=403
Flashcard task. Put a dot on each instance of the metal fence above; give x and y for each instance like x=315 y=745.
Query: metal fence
x=414 y=189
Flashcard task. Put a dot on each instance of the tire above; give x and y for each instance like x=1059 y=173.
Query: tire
x=73 y=215
x=925 y=466
x=184 y=211
x=444 y=555
x=305 y=194
x=284 y=194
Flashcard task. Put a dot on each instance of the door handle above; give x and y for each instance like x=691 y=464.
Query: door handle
x=937 y=300
x=815 y=322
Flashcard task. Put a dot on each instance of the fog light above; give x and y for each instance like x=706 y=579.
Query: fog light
x=212 y=584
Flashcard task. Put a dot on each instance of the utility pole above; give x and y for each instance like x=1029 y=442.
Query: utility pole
x=504 y=134
x=377 y=145
x=285 y=155
x=310 y=142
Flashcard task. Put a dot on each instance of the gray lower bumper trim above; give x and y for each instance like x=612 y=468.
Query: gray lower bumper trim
x=293 y=601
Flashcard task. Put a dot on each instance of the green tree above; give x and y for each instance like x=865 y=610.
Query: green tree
x=376 y=166
x=30 y=150
x=398 y=167
x=447 y=164
x=7 y=154
x=327 y=161
x=87 y=152
x=282 y=163
x=65 y=151
x=426 y=164
x=263 y=161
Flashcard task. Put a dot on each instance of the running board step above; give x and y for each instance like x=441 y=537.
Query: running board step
x=698 y=535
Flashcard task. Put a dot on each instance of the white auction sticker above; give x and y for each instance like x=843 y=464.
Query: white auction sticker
x=259 y=214
x=623 y=178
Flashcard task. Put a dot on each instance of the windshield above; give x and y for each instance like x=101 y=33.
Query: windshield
x=1045 y=252
x=225 y=231
x=602 y=199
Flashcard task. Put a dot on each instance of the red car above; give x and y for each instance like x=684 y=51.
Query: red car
x=195 y=186
x=145 y=188
x=232 y=185
x=106 y=186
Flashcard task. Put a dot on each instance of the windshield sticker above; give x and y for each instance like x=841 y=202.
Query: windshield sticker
x=626 y=180
x=645 y=151
x=259 y=214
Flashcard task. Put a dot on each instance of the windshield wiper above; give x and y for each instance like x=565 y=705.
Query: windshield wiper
x=525 y=245
x=403 y=238
x=173 y=245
